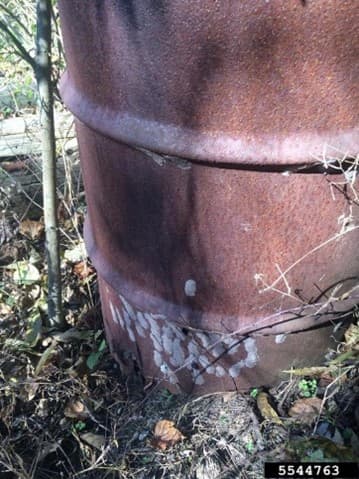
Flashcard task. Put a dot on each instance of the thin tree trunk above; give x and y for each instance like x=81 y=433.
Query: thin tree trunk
x=43 y=77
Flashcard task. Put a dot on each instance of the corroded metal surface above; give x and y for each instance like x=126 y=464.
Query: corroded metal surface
x=195 y=360
x=220 y=262
x=226 y=81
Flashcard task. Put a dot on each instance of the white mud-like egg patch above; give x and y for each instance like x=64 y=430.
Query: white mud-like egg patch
x=176 y=348
x=190 y=288
x=280 y=338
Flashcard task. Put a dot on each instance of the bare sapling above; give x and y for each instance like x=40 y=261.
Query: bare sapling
x=43 y=78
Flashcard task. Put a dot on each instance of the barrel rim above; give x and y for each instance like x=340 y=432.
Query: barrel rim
x=209 y=147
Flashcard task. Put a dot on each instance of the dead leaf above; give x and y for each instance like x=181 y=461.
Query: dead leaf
x=76 y=410
x=42 y=409
x=9 y=252
x=325 y=379
x=31 y=229
x=351 y=336
x=23 y=272
x=266 y=409
x=83 y=270
x=228 y=396
x=166 y=435
x=306 y=409
x=47 y=448
x=72 y=334
x=95 y=440
x=11 y=166
x=5 y=309
x=319 y=449
x=34 y=292
x=31 y=389
x=76 y=254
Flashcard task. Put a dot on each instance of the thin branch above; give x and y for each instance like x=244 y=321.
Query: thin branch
x=16 y=18
x=21 y=50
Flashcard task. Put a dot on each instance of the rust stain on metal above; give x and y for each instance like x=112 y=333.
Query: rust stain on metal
x=235 y=82
x=218 y=240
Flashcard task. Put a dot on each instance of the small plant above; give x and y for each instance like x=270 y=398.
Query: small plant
x=307 y=387
x=95 y=357
x=79 y=426
x=254 y=393
x=167 y=396
x=250 y=445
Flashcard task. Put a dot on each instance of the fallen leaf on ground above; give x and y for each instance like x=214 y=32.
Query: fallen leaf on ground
x=166 y=435
x=42 y=409
x=266 y=409
x=31 y=229
x=48 y=448
x=72 y=334
x=319 y=449
x=5 y=309
x=351 y=336
x=24 y=272
x=325 y=379
x=306 y=409
x=31 y=389
x=228 y=396
x=95 y=440
x=34 y=292
x=76 y=410
x=76 y=254
x=83 y=270
x=8 y=251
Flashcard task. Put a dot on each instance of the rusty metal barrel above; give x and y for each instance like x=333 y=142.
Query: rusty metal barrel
x=219 y=142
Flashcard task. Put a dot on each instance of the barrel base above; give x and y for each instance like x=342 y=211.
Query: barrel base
x=185 y=360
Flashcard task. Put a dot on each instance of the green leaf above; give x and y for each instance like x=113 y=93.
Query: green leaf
x=80 y=426
x=93 y=359
x=250 y=446
x=254 y=393
x=102 y=346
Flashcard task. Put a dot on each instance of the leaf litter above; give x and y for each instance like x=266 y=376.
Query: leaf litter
x=166 y=435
